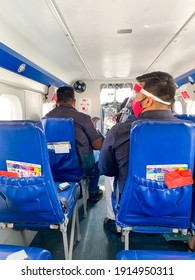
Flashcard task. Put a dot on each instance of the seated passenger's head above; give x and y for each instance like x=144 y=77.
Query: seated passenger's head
x=65 y=94
x=155 y=91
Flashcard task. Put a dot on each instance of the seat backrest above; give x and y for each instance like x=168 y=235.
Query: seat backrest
x=27 y=200
x=60 y=137
x=185 y=117
x=147 y=202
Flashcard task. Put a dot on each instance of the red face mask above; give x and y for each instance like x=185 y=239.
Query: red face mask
x=137 y=107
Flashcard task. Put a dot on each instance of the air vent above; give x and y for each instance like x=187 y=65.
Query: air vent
x=124 y=31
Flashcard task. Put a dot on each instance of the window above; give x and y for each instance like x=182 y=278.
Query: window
x=111 y=97
x=10 y=107
x=115 y=92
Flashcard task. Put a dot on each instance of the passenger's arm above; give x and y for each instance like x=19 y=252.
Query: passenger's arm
x=95 y=139
x=97 y=144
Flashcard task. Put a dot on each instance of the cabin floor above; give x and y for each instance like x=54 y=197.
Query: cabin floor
x=100 y=244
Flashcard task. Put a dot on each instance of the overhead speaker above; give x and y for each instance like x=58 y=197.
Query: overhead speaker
x=79 y=86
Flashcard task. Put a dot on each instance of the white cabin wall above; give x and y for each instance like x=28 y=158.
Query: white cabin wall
x=33 y=105
x=93 y=92
x=29 y=92
x=31 y=102
x=14 y=80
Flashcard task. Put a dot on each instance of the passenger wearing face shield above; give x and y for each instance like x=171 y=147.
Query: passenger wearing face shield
x=153 y=99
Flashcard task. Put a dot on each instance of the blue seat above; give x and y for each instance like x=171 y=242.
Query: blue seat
x=33 y=202
x=65 y=164
x=154 y=255
x=149 y=205
x=185 y=117
x=23 y=252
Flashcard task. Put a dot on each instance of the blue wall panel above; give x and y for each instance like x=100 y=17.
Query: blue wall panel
x=186 y=78
x=12 y=61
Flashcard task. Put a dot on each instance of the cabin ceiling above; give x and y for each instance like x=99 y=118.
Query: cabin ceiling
x=78 y=39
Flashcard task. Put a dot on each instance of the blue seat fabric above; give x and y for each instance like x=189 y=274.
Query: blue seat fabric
x=32 y=253
x=71 y=195
x=185 y=117
x=64 y=166
x=30 y=201
x=154 y=255
x=149 y=203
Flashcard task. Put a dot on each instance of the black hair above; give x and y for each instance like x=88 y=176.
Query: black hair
x=160 y=84
x=65 y=94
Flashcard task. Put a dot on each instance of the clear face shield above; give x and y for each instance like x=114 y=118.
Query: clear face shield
x=137 y=108
x=139 y=89
x=127 y=110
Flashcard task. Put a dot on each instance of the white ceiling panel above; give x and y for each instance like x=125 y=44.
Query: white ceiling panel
x=78 y=39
